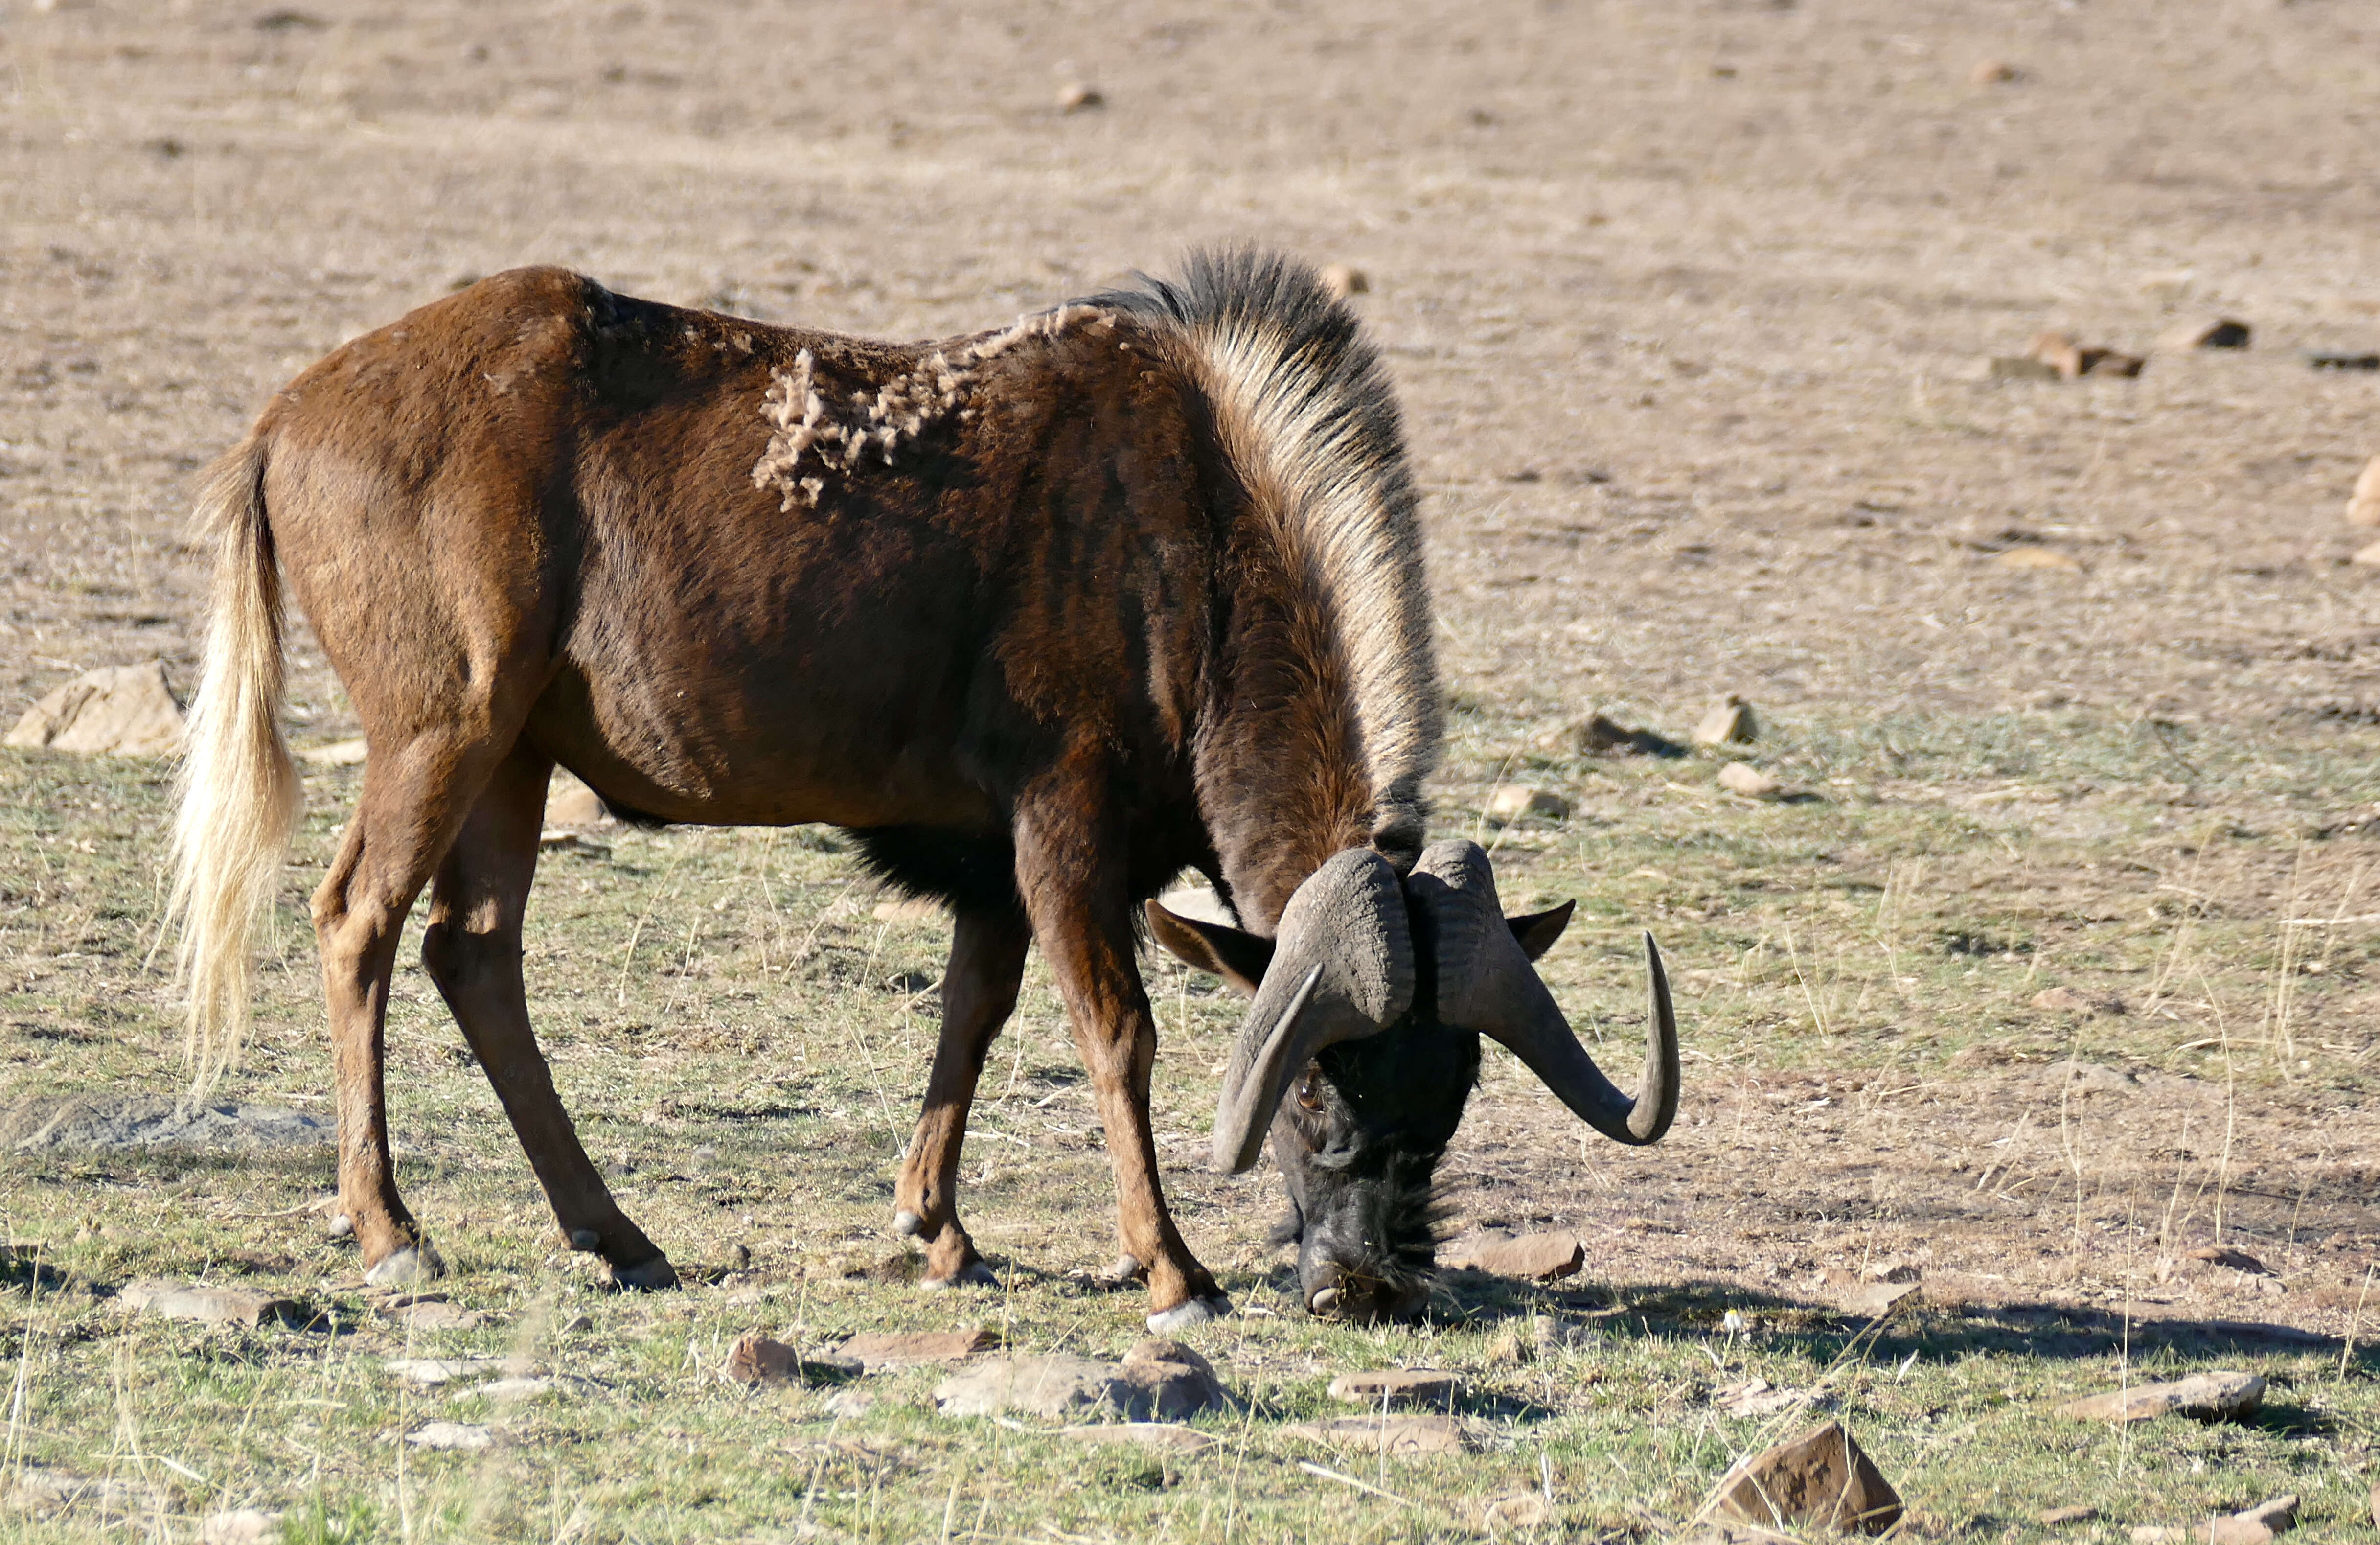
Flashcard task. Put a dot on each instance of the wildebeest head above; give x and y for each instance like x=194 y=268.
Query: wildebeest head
x=1362 y=1044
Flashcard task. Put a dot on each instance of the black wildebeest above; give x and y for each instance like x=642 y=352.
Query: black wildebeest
x=1043 y=616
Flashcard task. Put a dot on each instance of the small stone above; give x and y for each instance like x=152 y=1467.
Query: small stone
x=569 y=802
x=1396 y=1386
x=2103 y=362
x=429 y=1313
x=1739 y=777
x=909 y=910
x=454 y=1437
x=1819 y=1479
x=2204 y=333
x=1343 y=280
x=2018 y=367
x=2076 y=1513
x=1877 y=1299
x=849 y=1404
x=1398 y=1437
x=240 y=1525
x=878 y=1350
x=2205 y=1396
x=115 y=711
x=2363 y=505
x=1077 y=96
x=758 y=1359
x=2033 y=557
x=1532 y=1257
x=209 y=1306
x=1044 y=1386
x=338 y=753
x=1517 y=801
x=2237 y=1260
x=1992 y=72
x=1168 y=1436
x=2066 y=1000
x=2058 y=352
x=1729 y=723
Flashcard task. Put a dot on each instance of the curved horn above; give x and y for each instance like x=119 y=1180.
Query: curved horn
x=1485 y=983
x=1342 y=969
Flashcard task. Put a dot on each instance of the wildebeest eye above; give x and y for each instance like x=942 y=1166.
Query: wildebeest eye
x=1309 y=1088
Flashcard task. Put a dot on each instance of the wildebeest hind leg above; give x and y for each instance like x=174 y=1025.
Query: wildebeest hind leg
x=472 y=950
x=978 y=992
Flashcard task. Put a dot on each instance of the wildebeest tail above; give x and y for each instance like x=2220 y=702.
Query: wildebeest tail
x=1306 y=414
x=240 y=796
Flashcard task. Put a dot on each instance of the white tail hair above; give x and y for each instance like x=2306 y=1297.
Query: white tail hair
x=241 y=794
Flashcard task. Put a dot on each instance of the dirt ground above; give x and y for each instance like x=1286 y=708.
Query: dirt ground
x=1686 y=304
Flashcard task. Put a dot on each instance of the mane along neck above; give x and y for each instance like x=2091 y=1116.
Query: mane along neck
x=1324 y=719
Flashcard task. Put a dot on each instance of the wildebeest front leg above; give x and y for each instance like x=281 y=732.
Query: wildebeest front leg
x=1075 y=897
x=472 y=950
x=978 y=993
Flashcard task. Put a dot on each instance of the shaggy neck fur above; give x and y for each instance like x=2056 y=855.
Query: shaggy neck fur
x=1324 y=718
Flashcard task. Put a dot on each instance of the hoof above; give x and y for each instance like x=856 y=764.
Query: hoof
x=975 y=1274
x=908 y=1225
x=1181 y=1317
x=415 y=1263
x=647 y=1276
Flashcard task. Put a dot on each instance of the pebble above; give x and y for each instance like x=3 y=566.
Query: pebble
x=1148 y=1383
x=2254 y=1526
x=878 y=1350
x=209 y=1306
x=429 y=1313
x=2205 y=333
x=2369 y=557
x=1517 y=801
x=1343 y=280
x=454 y=1437
x=1397 y=1437
x=1532 y=1257
x=2066 y=1000
x=1992 y=72
x=1740 y=777
x=2237 y=1260
x=1396 y=1386
x=1729 y=721
x=2207 y=1397
x=1599 y=733
x=1077 y=96
x=1819 y=1479
x=2363 y=504
x=238 y=1525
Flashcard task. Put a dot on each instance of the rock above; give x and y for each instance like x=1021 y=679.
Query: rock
x=1402 y=1437
x=2071 y=360
x=1076 y=96
x=209 y=1306
x=106 y=1121
x=431 y=1311
x=2066 y=1000
x=2018 y=367
x=756 y=1360
x=2204 y=333
x=849 y=1404
x=1058 y=1385
x=2030 y=556
x=2369 y=557
x=1992 y=72
x=2363 y=504
x=2077 y=1512
x=569 y=802
x=454 y=1437
x=876 y=1350
x=1877 y=1299
x=1143 y=1434
x=1396 y=1386
x=2103 y=362
x=2254 y=1526
x=1729 y=723
x=1517 y=801
x=338 y=753
x=240 y=1525
x=909 y=910
x=1819 y=1479
x=2237 y=1260
x=118 y=710
x=1516 y=1510
x=1532 y=1257
x=2205 y=1396
x=1755 y=1397
x=1740 y=777
x=1343 y=280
